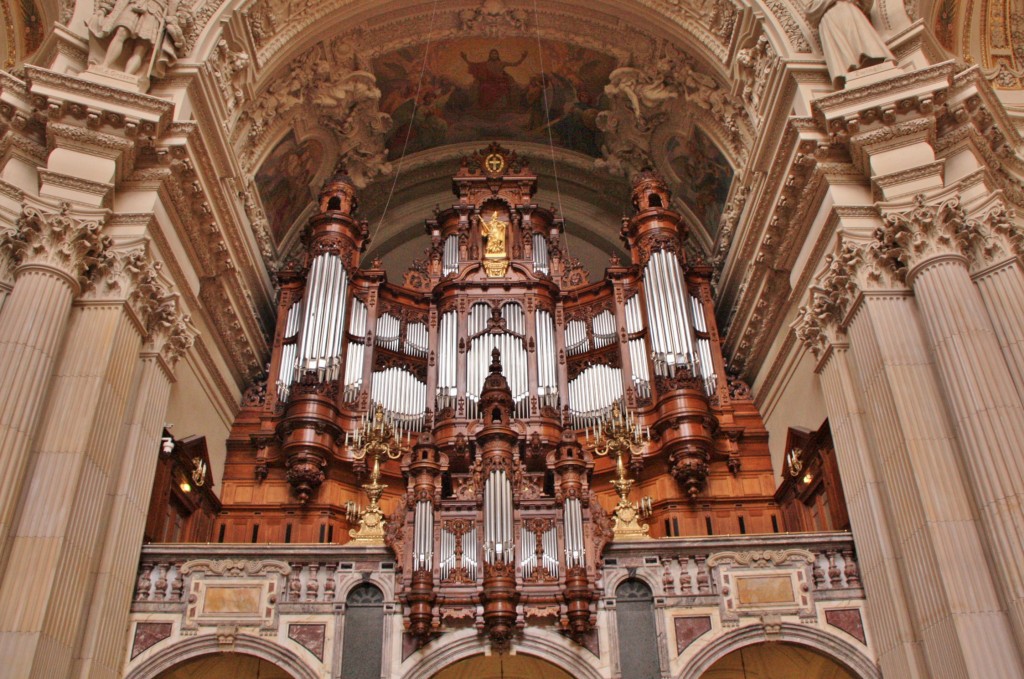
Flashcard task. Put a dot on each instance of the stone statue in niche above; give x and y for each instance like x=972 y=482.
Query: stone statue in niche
x=137 y=28
x=848 y=40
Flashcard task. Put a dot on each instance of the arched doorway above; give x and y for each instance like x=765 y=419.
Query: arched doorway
x=225 y=666
x=502 y=666
x=776 y=661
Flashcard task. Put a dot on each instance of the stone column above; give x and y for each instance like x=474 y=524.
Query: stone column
x=101 y=655
x=928 y=244
x=954 y=606
x=55 y=252
x=899 y=651
x=998 y=273
x=57 y=537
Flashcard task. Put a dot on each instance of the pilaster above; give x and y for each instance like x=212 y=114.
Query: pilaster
x=102 y=649
x=55 y=252
x=58 y=534
x=929 y=244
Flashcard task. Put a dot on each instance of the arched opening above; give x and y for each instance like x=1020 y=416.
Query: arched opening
x=225 y=666
x=364 y=625
x=638 y=647
x=776 y=661
x=334 y=203
x=504 y=666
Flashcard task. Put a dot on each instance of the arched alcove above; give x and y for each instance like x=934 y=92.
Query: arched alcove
x=225 y=666
x=776 y=661
x=502 y=666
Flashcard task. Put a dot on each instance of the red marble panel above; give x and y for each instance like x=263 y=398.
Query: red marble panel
x=310 y=637
x=848 y=620
x=148 y=634
x=689 y=628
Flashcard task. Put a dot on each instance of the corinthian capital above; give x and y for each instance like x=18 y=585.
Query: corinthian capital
x=170 y=331
x=130 y=275
x=924 y=232
x=73 y=247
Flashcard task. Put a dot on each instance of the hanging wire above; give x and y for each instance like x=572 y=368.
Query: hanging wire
x=547 y=116
x=412 y=119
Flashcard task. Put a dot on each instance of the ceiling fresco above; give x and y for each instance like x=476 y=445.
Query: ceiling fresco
x=481 y=88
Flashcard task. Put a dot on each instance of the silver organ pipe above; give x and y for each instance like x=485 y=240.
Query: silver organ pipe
x=576 y=338
x=549 y=558
x=514 y=356
x=575 y=553
x=592 y=393
x=403 y=396
x=286 y=374
x=447 y=357
x=604 y=329
x=447 y=560
x=706 y=364
x=320 y=338
x=499 y=543
x=388 y=330
x=415 y=340
x=637 y=350
x=540 y=253
x=672 y=339
x=423 y=540
x=547 y=378
x=356 y=351
x=450 y=258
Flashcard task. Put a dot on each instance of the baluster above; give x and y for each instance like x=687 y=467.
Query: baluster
x=850 y=570
x=145 y=583
x=294 y=583
x=313 y=582
x=667 y=580
x=833 y=570
x=703 y=577
x=176 y=583
x=817 y=573
x=160 y=593
x=330 y=585
x=685 y=585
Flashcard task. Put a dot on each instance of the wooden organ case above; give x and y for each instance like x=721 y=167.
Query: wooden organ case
x=492 y=369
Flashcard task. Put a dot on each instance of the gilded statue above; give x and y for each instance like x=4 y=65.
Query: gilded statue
x=493 y=231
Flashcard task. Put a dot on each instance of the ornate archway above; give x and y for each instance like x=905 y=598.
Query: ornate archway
x=842 y=653
x=206 y=645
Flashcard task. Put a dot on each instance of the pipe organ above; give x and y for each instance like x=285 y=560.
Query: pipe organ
x=491 y=362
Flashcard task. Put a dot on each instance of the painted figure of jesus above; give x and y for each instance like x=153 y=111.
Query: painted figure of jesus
x=494 y=84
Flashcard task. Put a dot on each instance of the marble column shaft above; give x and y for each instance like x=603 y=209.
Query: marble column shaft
x=48 y=581
x=32 y=325
x=102 y=650
x=1002 y=291
x=899 y=650
x=954 y=604
x=987 y=411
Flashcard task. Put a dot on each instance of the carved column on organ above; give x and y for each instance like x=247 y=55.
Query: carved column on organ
x=423 y=470
x=571 y=465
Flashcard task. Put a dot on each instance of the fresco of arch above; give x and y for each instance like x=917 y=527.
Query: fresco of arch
x=481 y=88
x=704 y=176
x=283 y=181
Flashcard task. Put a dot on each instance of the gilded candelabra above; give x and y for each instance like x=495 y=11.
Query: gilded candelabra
x=621 y=437
x=375 y=442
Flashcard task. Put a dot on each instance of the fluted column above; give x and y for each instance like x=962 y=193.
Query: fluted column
x=999 y=275
x=54 y=253
x=954 y=605
x=102 y=651
x=46 y=587
x=899 y=652
x=982 y=399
